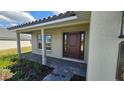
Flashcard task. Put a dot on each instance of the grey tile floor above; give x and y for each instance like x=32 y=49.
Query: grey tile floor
x=63 y=69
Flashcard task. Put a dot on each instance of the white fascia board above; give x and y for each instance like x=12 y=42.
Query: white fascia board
x=47 y=23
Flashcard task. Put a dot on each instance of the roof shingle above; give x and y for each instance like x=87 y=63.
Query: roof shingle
x=50 y=18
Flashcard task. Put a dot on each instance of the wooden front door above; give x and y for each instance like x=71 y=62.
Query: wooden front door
x=72 y=45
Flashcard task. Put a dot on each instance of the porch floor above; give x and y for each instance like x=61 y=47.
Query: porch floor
x=63 y=69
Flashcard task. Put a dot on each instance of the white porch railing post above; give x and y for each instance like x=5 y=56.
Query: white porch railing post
x=44 y=61
x=18 y=44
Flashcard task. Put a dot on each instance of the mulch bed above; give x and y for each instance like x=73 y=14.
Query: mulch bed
x=78 y=78
x=29 y=71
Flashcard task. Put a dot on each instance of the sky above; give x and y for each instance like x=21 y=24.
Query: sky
x=13 y=18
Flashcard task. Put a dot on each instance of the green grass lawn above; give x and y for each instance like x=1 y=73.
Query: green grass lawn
x=13 y=51
x=9 y=58
x=12 y=68
x=6 y=61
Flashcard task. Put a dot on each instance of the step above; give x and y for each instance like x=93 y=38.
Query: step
x=58 y=76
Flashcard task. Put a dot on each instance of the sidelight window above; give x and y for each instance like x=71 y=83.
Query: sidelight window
x=82 y=39
x=65 y=42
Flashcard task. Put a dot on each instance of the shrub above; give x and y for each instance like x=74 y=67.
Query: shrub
x=8 y=61
x=17 y=76
x=5 y=74
x=13 y=58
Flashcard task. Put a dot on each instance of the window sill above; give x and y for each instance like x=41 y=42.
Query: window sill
x=46 y=50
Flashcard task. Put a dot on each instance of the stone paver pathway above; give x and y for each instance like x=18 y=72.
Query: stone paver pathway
x=58 y=75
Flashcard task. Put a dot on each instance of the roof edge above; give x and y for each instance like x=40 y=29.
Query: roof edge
x=45 y=20
x=46 y=23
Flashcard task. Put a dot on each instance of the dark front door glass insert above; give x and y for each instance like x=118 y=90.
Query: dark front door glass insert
x=65 y=44
x=82 y=41
x=73 y=45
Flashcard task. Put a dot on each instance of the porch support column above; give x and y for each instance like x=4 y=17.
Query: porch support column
x=18 y=44
x=44 y=60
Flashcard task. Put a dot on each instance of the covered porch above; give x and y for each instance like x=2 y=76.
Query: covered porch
x=65 y=67
x=61 y=43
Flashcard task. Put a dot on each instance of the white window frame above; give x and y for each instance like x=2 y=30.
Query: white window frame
x=40 y=41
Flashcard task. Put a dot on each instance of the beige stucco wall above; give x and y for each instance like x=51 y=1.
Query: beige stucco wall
x=57 y=39
x=103 y=45
x=7 y=44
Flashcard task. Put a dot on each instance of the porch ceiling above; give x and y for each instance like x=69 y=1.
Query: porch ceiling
x=53 y=26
